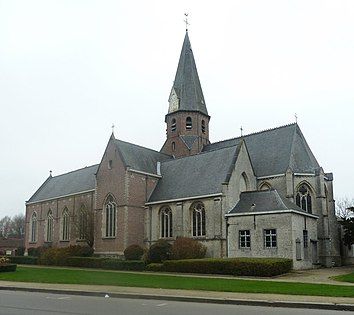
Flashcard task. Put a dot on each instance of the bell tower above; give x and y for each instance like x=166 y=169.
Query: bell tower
x=187 y=118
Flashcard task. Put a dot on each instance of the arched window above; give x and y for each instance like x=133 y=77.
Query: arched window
x=166 y=222
x=33 y=236
x=173 y=125
x=65 y=225
x=49 y=232
x=83 y=223
x=203 y=126
x=265 y=186
x=244 y=183
x=304 y=199
x=189 y=124
x=173 y=146
x=198 y=219
x=111 y=216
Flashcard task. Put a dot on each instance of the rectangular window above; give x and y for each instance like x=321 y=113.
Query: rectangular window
x=245 y=239
x=270 y=238
x=306 y=238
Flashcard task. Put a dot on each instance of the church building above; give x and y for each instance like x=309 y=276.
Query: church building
x=258 y=195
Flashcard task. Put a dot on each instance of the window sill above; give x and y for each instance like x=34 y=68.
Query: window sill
x=32 y=243
x=64 y=241
x=109 y=237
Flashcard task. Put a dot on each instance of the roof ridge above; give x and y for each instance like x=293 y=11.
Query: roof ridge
x=140 y=146
x=254 y=133
x=79 y=169
x=194 y=155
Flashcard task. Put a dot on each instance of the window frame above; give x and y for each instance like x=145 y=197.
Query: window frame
x=34 y=226
x=189 y=123
x=110 y=207
x=271 y=238
x=65 y=227
x=244 y=239
x=198 y=219
x=49 y=227
x=166 y=222
x=173 y=125
x=304 y=198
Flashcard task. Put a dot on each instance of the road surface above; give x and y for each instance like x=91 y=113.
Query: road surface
x=21 y=303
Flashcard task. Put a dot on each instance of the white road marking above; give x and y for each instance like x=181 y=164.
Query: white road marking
x=163 y=304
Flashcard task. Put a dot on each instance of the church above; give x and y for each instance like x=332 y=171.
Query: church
x=258 y=195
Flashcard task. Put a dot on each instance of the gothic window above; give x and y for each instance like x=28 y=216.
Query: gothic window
x=111 y=216
x=243 y=183
x=166 y=222
x=33 y=237
x=49 y=232
x=189 y=123
x=65 y=225
x=270 y=238
x=173 y=125
x=245 y=239
x=203 y=126
x=304 y=199
x=265 y=186
x=173 y=146
x=83 y=223
x=198 y=219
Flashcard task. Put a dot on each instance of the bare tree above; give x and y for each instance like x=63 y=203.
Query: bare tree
x=5 y=227
x=343 y=207
x=84 y=226
x=18 y=226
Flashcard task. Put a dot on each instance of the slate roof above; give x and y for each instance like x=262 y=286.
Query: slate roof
x=189 y=140
x=140 y=158
x=193 y=176
x=263 y=201
x=186 y=84
x=67 y=184
x=273 y=151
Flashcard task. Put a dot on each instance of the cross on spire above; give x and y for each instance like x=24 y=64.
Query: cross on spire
x=113 y=128
x=241 y=131
x=186 y=21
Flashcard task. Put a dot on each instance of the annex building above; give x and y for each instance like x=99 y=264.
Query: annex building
x=258 y=195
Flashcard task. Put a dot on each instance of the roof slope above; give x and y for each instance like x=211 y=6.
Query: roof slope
x=263 y=201
x=140 y=158
x=67 y=184
x=186 y=84
x=273 y=151
x=196 y=175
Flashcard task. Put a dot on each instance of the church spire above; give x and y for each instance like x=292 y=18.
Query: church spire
x=186 y=93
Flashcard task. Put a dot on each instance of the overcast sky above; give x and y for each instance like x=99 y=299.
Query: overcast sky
x=69 y=69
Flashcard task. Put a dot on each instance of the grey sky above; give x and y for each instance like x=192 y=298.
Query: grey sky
x=69 y=69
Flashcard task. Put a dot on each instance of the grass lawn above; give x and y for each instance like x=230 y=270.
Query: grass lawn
x=95 y=277
x=345 y=278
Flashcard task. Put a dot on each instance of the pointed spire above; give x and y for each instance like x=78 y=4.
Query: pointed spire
x=186 y=93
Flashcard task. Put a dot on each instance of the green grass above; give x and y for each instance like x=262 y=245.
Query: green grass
x=345 y=278
x=91 y=277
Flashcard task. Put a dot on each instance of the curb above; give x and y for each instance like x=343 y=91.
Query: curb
x=176 y=298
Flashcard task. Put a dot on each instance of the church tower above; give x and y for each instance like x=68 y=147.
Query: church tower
x=187 y=118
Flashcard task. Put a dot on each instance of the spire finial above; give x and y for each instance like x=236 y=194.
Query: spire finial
x=296 y=118
x=186 y=21
x=113 y=128
x=50 y=173
x=241 y=131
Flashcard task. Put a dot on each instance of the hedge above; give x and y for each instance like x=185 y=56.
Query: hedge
x=259 y=267
x=24 y=260
x=84 y=262
x=117 y=264
x=8 y=268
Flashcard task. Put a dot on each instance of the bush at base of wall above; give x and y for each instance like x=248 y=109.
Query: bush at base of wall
x=258 y=267
x=24 y=260
x=8 y=268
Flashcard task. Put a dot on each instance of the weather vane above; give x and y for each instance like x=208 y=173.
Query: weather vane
x=186 y=20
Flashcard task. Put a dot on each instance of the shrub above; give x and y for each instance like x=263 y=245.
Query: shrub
x=85 y=262
x=20 y=251
x=8 y=268
x=117 y=264
x=53 y=256
x=154 y=267
x=79 y=251
x=260 y=267
x=159 y=252
x=133 y=252
x=24 y=260
x=187 y=248
x=36 y=251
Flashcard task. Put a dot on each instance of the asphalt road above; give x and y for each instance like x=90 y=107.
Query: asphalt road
x=16 y=303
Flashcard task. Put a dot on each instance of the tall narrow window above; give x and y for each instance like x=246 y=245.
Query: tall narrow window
x=33 y=237
x=111 y=217
x=245 y=239
x=304 y=199
x=49 y=234
x=173 y=125
x=173 y=146
x=65 y=225
x=189 y=124
x=270 y=238
x=306 y=238
x=198 y=219
x=244 y=186
x=83 y=223
x=166 y=222
x=203 y=126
